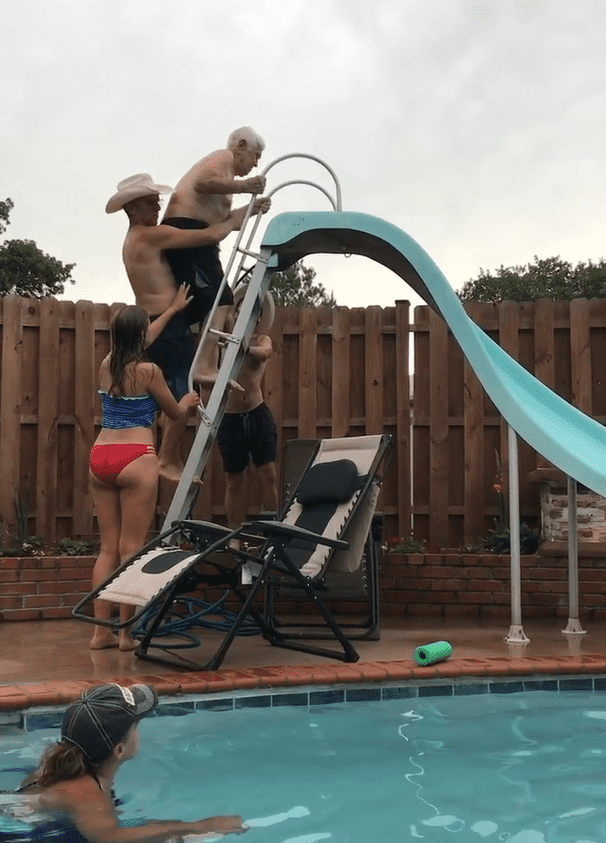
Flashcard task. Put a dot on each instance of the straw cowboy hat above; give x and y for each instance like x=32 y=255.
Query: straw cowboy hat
x=134 y=187
x=268 y=308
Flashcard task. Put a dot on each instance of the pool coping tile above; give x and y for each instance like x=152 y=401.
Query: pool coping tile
x=373 y=671
x=22 y=696
x=189 y=683
x=241 y=679
x=161 y=683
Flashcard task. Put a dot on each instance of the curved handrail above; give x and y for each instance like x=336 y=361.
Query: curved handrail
x=336 y=203
x=319 y=187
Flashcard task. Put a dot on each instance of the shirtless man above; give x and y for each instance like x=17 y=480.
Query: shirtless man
x=202 y=198
x=248 y=428
x=154 y=287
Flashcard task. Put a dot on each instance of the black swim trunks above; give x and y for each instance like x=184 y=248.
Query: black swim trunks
x=244 y=435
x=173 y=352
x=199 y=268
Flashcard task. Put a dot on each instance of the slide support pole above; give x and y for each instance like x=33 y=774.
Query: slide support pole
x=574 y=624
x=516 y=633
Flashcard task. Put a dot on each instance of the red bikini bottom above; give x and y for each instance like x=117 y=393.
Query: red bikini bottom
x=107 y=461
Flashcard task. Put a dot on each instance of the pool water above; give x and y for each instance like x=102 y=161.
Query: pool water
x=522 y=768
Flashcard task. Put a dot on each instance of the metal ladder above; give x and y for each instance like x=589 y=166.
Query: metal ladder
x=235 y=344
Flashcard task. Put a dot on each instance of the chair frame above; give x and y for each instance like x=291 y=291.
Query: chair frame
x=211 y=547
x=370 y=626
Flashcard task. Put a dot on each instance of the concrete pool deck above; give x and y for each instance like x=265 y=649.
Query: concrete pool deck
x=49 y=663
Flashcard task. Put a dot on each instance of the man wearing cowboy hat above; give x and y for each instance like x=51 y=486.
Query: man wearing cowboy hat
x=155 y=291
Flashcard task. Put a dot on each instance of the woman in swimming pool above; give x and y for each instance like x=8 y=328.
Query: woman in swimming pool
x=73 y=784
x=123 y=461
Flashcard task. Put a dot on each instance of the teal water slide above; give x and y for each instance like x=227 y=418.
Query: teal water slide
x=571 y=440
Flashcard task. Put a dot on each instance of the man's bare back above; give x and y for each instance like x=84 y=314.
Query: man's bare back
x=187 y=201
x=205 y=191
x=144 y=252
x=148 y=272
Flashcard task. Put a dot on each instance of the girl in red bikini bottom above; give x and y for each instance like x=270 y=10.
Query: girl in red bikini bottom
x=123 y=461
x=107 y=461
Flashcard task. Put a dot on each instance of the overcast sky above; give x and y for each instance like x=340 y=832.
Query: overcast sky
x=477 y=128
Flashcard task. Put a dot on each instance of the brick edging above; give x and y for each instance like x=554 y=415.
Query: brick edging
x=22 y=696
x=42 y=587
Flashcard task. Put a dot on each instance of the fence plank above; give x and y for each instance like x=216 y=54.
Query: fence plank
x=438 y=431
x=420 y=425
x=403 y=486
x=341 y=351
x=85 y=385
x=307 y=374
x=274 y=374
x=580 y=353
x=475 y=492
x=373 y=398
x=48 y=421
x=10 y=410
x=544 y=363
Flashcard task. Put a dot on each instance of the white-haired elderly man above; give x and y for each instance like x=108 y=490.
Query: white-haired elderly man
x=203 y=198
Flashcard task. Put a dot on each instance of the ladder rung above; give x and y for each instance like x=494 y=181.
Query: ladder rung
x=255 y=255
x=223 y=335
x=205 y=418
x=186 y=492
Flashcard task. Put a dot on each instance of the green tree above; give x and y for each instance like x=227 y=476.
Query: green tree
x=5 y=209
x=548 y=278
x=295 y=287
x=24 y=269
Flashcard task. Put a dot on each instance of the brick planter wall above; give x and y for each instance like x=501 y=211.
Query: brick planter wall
x=42 y=587
x=477 y=586
x=450 y=584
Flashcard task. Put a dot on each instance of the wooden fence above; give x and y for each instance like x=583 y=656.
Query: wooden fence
x=335 y=373
x=561 y=343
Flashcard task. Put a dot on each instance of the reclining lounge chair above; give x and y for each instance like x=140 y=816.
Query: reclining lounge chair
x=339 y=487
x=349 y=576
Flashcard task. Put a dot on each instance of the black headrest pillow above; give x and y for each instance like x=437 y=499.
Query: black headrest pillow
x=329 y=482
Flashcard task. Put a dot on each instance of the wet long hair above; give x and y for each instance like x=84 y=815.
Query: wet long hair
x=127 y=331
x=63 y=761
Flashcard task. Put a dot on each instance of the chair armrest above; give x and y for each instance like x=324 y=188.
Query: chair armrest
x=204 y=527
x=278 y=529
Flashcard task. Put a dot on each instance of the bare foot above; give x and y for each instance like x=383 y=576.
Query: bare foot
x=103 y=641
x=127 y=643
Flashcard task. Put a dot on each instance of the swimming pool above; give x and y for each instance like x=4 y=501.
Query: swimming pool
x=524 y=767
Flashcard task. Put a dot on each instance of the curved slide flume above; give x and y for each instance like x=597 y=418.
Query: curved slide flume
x=571 y=440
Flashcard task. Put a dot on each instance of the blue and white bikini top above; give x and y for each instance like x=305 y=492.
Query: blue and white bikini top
x=120 y=411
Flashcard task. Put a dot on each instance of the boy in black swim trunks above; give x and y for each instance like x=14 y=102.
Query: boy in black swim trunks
x=248 y=429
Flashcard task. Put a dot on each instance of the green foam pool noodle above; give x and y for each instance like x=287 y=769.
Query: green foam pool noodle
x=432 y=653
